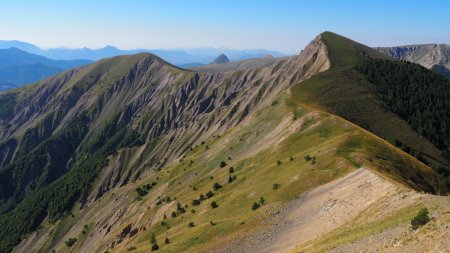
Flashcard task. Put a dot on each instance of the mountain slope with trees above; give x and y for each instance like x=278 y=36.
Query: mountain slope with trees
x=131 y=151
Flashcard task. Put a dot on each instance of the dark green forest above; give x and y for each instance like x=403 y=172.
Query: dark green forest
x=418 y=95
x=55 y=199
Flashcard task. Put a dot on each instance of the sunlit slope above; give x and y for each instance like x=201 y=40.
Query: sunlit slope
x=282 y=151
x=347 y=93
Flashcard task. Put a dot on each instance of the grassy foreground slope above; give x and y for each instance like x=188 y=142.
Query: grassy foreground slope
x=283 y=151
x=227 y=184
x=346 y=92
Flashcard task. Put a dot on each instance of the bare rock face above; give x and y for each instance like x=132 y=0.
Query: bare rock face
x=221 y=59
x=427 y=55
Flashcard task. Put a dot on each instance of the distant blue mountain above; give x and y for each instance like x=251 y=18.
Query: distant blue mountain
x=179 y=56
x=18 y=67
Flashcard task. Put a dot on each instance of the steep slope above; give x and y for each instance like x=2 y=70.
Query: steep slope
x=428 y=55
x=107 y=156
x=133 y=100
x=348 y=91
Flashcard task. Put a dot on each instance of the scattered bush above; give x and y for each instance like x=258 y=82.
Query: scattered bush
x=231 y=178
x=195 y=202
x=212 y=223
x=223 y=164
x=255 y=206
x=214 y=204
x=202 y=197
x=308 y=158
x=180 y=209
x=70 y=242
x=174 y=214
x=279 y=162
x=217 y=186
x=262 y=201
x=167 y=241
x=191 y=224
x=291 y=158
x=141 y=192
x=420 y=219
x=155 y=247
x=231 y=169
x=131 y=248
x=276 y=186
x=209 y=194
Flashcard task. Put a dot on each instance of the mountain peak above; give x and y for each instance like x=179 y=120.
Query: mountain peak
x=222 y=58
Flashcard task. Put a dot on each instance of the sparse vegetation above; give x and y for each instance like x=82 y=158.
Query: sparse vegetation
x=209 y=194
x=255 y=206
x=154 y=242
x=70 y=242
x=276 y=186
x=223 y=164
x=420 y=219
x=216 y=186
x=258 y=204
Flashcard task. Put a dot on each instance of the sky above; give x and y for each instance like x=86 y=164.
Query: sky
x=287 y=26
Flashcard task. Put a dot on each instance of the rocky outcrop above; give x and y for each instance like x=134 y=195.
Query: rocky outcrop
x=427 y=55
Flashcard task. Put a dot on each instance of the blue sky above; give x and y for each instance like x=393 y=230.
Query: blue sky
x=286 y=26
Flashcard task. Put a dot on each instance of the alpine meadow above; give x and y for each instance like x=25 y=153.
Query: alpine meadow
x=314 y=143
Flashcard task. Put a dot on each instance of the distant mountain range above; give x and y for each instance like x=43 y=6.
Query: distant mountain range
x=18 y=67
x=178 y=56
x=431 y=56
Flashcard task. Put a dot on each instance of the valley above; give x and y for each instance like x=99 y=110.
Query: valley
x=292 y=154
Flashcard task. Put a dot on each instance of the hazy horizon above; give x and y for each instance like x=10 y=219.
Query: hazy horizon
x=269 y=25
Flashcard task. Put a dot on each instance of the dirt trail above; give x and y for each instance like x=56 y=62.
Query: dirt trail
x=318 y=212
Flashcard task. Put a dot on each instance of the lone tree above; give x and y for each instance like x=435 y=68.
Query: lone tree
x=217 y=186
x=214 y=204
x=154 y=242
x=209 y=194
x=420 y=219
x=70 y=242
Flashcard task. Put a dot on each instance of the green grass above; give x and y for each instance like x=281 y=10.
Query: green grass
x=355 y=230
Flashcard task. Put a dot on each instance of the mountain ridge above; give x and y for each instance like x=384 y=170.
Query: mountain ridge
x=427 y=55
x=178 y=56
x=18 y=67
x=149 y=138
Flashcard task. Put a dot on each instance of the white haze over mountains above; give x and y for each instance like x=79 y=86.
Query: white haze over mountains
x=177 y=56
